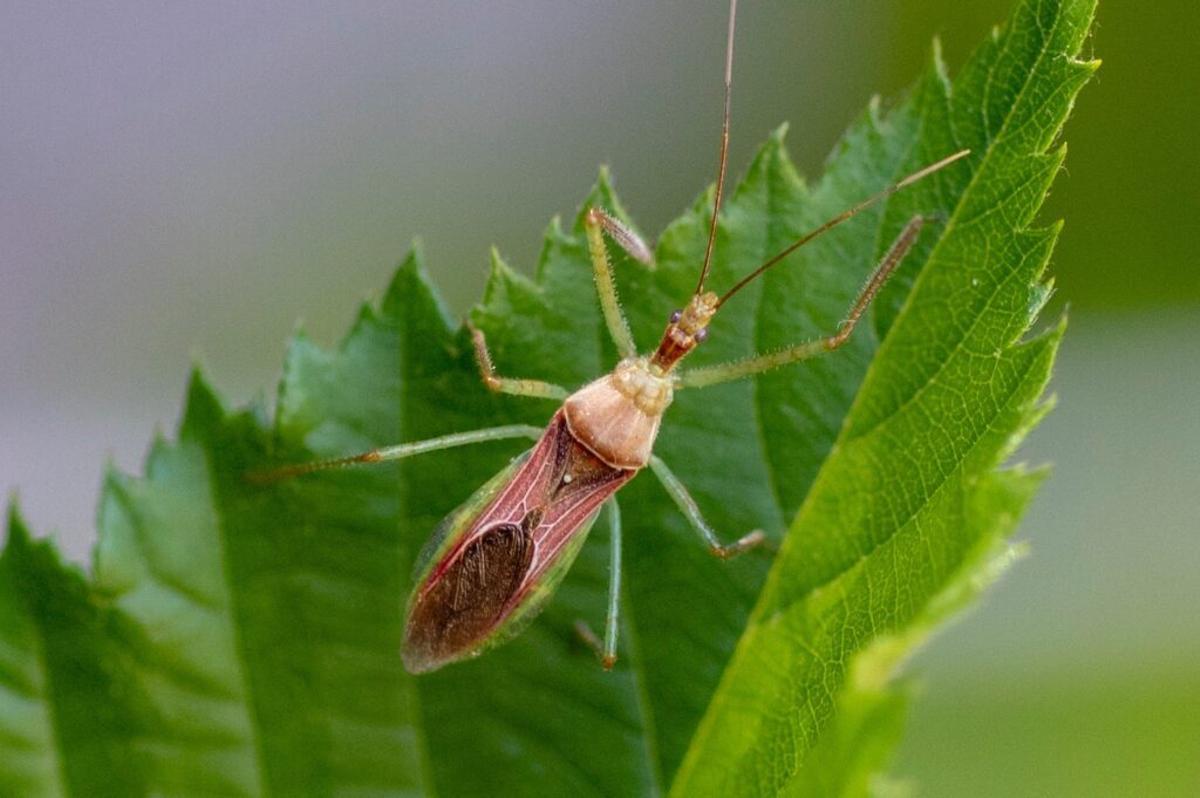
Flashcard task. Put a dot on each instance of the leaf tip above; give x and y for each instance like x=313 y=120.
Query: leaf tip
x=937 y=62
x=14 y=522
x=499 y=271
x=411 y=290
x=936 y=51
x=202 y=406
x=411 y=268
x=502 y=280
x=1060 y=327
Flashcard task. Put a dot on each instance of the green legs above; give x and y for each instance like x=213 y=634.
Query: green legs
x=687 y=505
x=401 y=451
x=532 y=388
x=597 y=222
x=727 y=372
x=606 y=649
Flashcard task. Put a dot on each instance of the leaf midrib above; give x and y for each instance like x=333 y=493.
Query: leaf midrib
x=261 y=768
x=60 y=762
x=791 y=605
x=412 y=683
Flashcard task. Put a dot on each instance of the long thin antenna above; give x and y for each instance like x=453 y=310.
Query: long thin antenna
x=724 y=159
x=841 y=217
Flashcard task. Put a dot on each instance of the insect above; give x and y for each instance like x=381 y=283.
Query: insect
x=492 y=564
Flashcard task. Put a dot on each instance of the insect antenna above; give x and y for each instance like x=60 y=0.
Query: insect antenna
x=842 y=217
x=723 y=161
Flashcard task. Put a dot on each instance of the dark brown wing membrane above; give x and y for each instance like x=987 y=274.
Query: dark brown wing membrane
x=467 y=600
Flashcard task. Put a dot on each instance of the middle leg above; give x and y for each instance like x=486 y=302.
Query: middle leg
x=691 y=511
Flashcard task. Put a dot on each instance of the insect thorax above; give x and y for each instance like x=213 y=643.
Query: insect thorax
x=617 y=416
x=646 y=386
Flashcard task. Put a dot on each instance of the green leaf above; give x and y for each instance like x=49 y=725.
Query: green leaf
x=66 y=717
x=240 y=639
x=909 y=496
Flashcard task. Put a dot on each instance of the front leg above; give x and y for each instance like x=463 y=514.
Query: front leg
x=595 y=223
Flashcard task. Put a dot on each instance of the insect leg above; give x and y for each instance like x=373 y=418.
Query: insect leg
x=595 y=222
x=727 y=372
x=691 y=511
x=487 y=370
x=606 y=649
x=630 y=241
x=399 y=451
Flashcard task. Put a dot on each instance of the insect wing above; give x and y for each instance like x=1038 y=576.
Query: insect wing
x=495 y=561
x=450 y=531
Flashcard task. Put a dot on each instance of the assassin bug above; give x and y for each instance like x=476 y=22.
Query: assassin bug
x=492 y=564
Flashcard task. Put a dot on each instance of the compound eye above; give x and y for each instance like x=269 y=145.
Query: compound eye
x=701 y=335
x=676 y=316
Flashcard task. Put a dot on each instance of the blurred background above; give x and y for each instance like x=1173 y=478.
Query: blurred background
x=181 y=183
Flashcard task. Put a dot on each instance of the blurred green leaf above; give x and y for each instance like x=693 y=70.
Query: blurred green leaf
x=241 y=640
